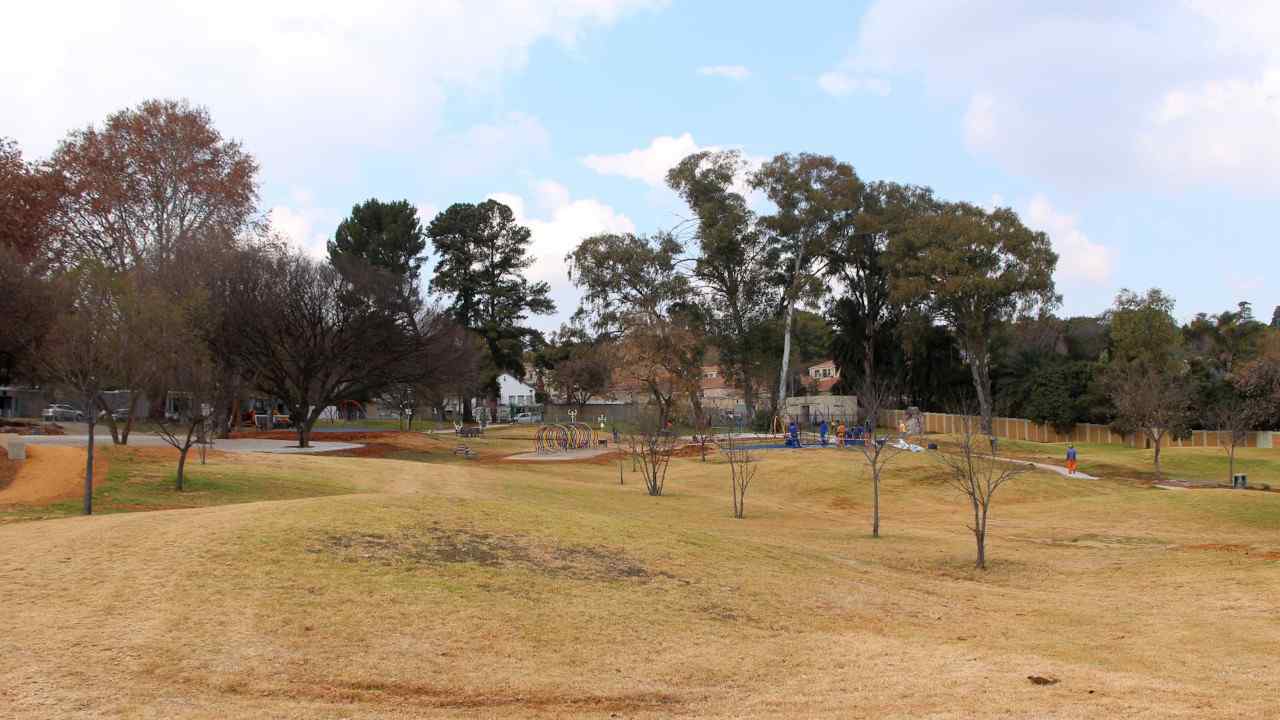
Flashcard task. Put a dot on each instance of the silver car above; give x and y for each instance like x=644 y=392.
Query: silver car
x=61 y=412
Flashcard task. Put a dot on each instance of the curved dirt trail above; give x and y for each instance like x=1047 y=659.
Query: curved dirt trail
x=52 y=473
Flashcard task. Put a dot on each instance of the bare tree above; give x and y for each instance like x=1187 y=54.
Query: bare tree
x=1234 y=415
x=1151 y=402
x=77 y=351
x=876 y=397
x=198 y=391
x=650 y=446
x=975 y=470
x=742 y=470
x=311 y=335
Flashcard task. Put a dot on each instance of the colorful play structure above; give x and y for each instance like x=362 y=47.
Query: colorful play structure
x=564 y=437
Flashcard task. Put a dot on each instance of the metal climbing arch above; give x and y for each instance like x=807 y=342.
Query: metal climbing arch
x=563 y=437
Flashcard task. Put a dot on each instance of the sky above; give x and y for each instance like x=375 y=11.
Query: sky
x=1143 y=137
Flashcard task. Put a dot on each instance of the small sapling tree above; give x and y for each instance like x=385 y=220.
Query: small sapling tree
x=650 y=446
x=975 y=470
x=742 y=470
x=875 y=398
x=1234 y=415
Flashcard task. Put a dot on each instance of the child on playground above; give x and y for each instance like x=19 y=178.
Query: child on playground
x=1071 y=459
x=840 y=430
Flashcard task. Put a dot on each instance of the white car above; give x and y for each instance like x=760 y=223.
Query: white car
x=61 y=411
x=525 y=417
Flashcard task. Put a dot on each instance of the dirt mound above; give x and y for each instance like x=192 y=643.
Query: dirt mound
x=51 y=473
x=23 y=427
x=8 y=469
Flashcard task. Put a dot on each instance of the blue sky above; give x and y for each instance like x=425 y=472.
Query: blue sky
x=1143 y=137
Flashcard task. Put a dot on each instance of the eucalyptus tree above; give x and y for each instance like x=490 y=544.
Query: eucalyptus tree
x=731 y=271
x=973 y=269
x=857 y=260
x=816 y=201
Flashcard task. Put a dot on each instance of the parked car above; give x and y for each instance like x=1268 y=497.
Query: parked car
x=526 y=417
x=61 y=412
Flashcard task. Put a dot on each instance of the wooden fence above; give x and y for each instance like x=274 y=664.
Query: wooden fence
x=1023 y=429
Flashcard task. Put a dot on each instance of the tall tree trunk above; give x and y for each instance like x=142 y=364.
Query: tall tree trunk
x=980 y=533
x=875 y=502
x=786 y=332
x=980 y=366
x=182 y=464
x=111 y=421
x=88 y=467
x=786 y=360
x=1158 y=438
x=868 y=354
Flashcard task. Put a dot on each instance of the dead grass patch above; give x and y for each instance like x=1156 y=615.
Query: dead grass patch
x=437 y=545
x=425 y=695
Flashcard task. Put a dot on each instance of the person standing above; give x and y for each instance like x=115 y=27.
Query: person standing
x=840 y=431
x=823 y=429
x=1071 y=459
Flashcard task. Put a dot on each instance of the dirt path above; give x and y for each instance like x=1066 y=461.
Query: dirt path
x=51 y=473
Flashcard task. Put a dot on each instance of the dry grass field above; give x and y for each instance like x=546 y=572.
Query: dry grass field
x=404 y=582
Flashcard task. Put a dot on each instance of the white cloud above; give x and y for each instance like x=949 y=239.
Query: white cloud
x=733 y=72
x=839 y=83
x=555 y=232
x=1095 y=94
x=1080 y=260
x=303 y=224
x=649 y=164
x=303 y=80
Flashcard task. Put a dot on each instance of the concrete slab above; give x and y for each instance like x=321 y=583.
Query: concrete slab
x=14 y=446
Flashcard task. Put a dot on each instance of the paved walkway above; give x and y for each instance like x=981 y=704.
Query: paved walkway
x=238 y=445
x=1058 y=469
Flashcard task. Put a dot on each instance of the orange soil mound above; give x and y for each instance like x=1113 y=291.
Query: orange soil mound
x=51 y=473
x=8 y=469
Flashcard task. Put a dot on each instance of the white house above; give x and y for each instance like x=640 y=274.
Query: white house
x=513 y=393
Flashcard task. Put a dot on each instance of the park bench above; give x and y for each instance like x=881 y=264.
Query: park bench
x=469 y=432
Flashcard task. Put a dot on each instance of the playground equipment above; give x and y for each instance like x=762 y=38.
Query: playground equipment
x=563 y=437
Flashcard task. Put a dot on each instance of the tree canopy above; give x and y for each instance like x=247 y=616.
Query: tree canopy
x=971 y=269
x=483 y=256
x=386 y=235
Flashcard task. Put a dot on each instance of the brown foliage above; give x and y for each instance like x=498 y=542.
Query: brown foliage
x=28 y=196
x=150 y=179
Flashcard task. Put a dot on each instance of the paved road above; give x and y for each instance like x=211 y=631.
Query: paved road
x=239 y=445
